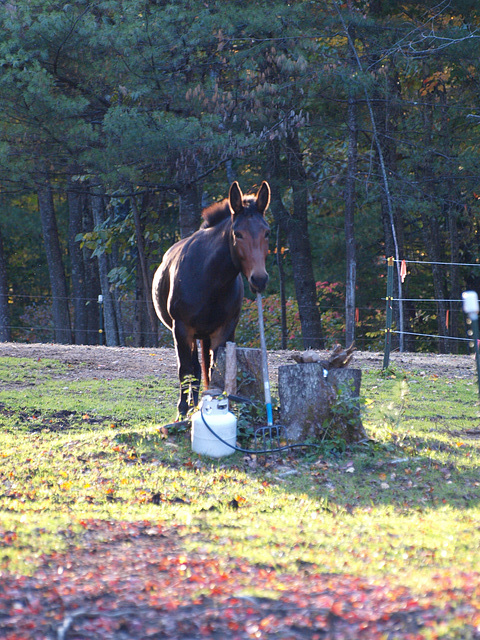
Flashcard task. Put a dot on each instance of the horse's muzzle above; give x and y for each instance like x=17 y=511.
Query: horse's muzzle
x=258 y=282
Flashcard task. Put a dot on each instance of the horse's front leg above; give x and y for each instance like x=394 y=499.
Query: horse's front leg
x=185 y=348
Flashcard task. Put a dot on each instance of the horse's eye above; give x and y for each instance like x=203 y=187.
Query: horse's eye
x=238 y=235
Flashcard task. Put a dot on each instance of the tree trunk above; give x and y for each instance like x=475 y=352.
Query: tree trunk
x=92 y=282
x=5 y=335
x=455 y=290
x=386 y=116
x=431 y=229
x=451 y=199
x=350 y=248
x=146 y=278
x=114 y=263
x=141 y=325
x=79 y=286
x=190 y=207
x=281 y=216
x=58 y=282
x=295 y=229
x=283 y=296
x=300 y=249
x=111 y=330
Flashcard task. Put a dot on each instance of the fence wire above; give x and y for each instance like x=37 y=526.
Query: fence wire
x=423 y=301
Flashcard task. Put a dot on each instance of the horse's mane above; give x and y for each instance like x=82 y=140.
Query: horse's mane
x=215 y=213
x=220 y=211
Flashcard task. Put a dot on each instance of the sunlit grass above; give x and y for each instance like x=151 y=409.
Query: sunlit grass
x=404 y=506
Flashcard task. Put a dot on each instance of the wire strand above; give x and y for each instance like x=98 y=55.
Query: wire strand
x=451 y=264
x=424 y=299
x=429 y=335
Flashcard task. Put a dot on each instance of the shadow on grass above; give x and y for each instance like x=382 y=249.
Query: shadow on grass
x=410 y=477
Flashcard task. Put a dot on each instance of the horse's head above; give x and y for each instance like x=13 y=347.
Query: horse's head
x=250 y=232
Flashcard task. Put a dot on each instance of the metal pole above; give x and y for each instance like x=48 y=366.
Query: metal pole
x=266 y=382
x=388 y=329
x=100 y=314
x=477 y=355
x=471 y=309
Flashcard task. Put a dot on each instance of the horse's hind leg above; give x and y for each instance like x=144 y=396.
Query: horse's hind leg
x=206 y=362
x=185 y=348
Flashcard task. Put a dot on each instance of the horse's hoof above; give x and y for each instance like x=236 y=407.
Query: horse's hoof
x=178 y=424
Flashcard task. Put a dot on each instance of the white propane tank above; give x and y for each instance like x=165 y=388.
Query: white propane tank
x=220 y=420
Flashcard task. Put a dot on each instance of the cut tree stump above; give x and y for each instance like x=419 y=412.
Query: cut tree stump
x=315 y=407
x=249 y=376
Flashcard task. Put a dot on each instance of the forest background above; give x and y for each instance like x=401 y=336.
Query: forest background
x=121 y=119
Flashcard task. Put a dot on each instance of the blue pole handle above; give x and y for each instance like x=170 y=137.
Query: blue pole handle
x=266 y=383
x=269 y=414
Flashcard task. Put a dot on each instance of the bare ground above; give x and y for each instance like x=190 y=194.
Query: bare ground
x=128 y=362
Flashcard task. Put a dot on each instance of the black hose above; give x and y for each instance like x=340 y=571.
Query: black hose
x=255 y=451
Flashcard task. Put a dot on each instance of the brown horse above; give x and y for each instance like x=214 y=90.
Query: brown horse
x=198 y=289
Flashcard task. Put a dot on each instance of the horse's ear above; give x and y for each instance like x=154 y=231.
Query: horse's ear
x=263 y=197
x=236 y=198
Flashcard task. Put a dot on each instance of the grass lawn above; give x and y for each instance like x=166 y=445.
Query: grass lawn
x=388 y=528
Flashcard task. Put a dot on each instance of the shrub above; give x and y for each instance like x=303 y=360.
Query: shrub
x=330 y=301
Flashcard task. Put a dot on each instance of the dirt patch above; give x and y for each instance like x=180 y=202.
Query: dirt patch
x=134 y=363
x=99 y=362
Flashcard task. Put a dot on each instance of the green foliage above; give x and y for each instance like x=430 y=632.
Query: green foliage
x=250 y=416
x=148 y=98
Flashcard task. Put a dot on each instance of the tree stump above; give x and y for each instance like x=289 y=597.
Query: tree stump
x=315 y=407
x=249 y=376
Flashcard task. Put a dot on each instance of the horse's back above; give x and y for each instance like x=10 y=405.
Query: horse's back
x=181 y=279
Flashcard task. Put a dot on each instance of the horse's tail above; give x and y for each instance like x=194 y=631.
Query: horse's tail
x=206 y=362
